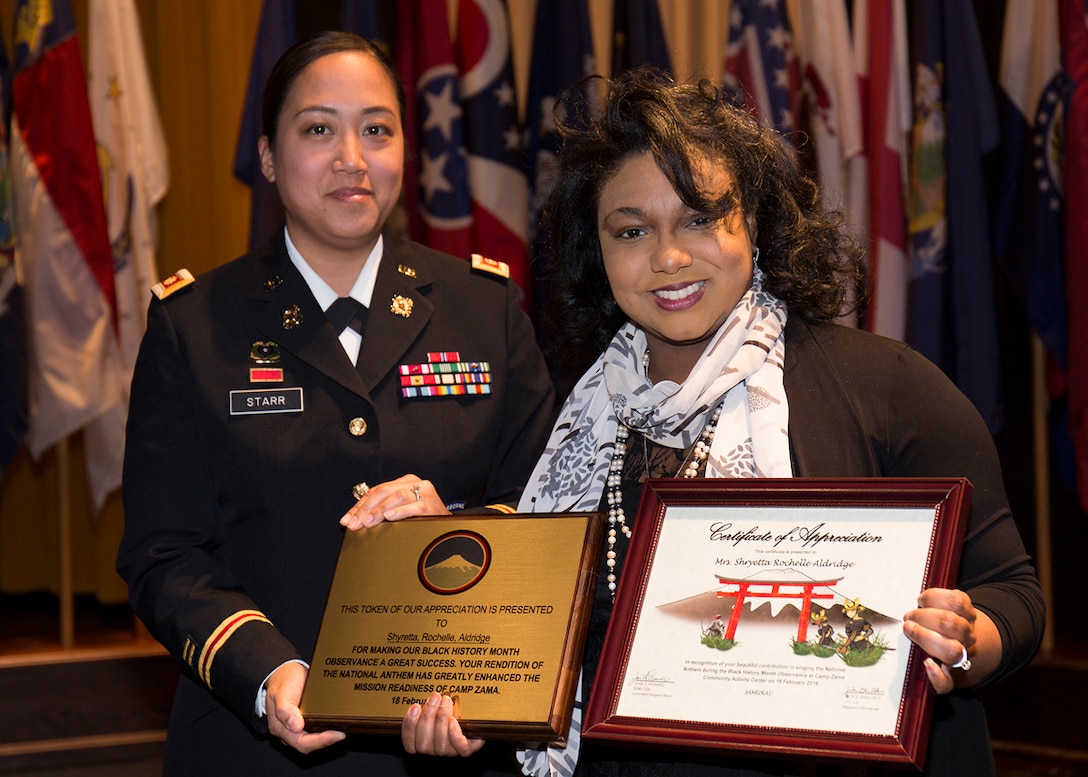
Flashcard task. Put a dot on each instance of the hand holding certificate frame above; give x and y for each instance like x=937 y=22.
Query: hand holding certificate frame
x=489 y=610
x=765 y=615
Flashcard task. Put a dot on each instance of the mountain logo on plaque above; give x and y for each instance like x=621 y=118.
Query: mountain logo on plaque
x=454 y=562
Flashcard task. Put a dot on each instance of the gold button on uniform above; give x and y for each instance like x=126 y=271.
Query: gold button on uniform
x=357 y=427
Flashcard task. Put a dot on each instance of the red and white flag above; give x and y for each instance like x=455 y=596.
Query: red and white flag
x=63 y=245
x=497 y=177
x=135 y=176
x=877 y=177
x=829 y=112
x=828 y=95
x=436 y=195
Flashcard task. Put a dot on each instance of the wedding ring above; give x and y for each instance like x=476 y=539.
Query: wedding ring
x=419 y=498
x=964 y=663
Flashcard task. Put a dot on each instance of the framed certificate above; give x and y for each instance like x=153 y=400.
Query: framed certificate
x=765 y=615
x=491 y=610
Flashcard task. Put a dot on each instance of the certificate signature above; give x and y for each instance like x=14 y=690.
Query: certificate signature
x=651 y=677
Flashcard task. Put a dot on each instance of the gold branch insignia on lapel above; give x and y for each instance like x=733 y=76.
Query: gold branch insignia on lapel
x=401 y=306
x=292 y=317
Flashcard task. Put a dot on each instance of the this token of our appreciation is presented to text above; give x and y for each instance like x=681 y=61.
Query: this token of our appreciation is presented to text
x=490 y=610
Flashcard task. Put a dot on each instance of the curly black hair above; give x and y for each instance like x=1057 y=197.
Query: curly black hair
x=808 y=260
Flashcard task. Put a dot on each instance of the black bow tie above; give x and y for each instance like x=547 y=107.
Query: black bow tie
x=346 y=312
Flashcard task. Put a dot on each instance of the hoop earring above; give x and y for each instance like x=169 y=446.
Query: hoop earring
x=755 y=257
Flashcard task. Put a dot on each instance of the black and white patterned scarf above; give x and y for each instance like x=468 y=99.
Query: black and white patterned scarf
x=740 y=369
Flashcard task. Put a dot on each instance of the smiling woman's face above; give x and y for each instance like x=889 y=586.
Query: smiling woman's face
x=676 y=272
x=338 y=163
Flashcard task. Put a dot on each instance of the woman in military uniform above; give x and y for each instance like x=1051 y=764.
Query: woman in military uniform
x=261 y=412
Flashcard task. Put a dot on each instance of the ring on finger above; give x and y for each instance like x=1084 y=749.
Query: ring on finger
x=419 y=498
x=964 y=663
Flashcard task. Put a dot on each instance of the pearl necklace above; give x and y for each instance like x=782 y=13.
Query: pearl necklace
x=616 y=518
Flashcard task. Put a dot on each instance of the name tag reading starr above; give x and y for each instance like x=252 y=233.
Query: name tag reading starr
x=259 y=401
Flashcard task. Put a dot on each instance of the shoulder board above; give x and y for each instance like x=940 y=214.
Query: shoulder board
x=492 y=266
x=178 y=280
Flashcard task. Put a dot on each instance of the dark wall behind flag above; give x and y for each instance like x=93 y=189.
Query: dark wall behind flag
x=637 y=36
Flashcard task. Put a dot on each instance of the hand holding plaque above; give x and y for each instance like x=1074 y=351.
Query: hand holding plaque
x=489 y=610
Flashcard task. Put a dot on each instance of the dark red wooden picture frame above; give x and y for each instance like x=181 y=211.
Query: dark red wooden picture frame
x=950 y=500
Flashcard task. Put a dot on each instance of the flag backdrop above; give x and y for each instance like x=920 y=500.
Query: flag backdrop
x=497 y=180
x=562 y=56
x=1028 y=219
x=13 y=374
x=135 y=176
x=436 y=197
x=880 y=36
x=828 y=109
x=1074 y=36
x=952 y=311
x=64 y=248
x=760 y=62
x=275 y=33
x=637 y=36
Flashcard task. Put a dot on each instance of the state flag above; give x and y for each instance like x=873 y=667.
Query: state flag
x=436 y=193
x=135 y=176
x=880 y=53
x=760 y=62
x=63 y=244
x=497 y=181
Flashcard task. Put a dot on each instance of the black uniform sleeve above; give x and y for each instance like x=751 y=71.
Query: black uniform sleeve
x=179 y=587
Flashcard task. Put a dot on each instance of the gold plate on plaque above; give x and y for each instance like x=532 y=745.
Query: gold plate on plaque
x=490 y=610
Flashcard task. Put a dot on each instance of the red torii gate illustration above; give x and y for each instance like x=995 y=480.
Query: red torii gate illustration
x=774 y=589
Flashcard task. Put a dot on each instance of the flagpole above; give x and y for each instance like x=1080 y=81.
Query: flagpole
x=1040 y=403
x=64 y=512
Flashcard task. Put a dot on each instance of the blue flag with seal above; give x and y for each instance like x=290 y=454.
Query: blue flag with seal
x=952 y=317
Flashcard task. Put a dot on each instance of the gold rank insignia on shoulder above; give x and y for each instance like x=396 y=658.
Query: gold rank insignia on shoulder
x=407 y=271
x=493 y=266
x=168 y=286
